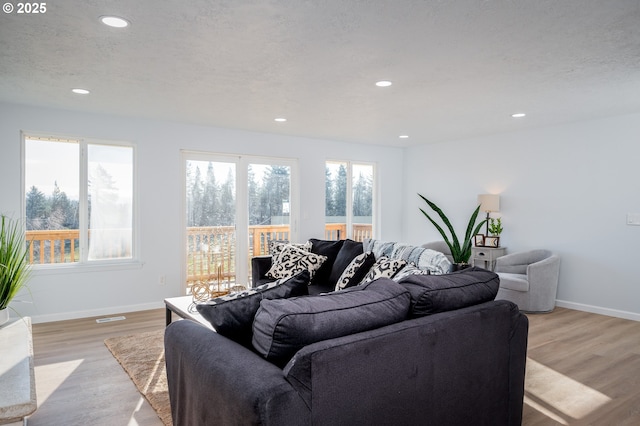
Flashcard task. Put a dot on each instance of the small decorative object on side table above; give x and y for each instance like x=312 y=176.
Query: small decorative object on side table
x=495 y=228
x=488 y=255
x=492 y=242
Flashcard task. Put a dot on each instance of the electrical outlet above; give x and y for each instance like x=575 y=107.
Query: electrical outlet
x=633 y=219
x=162 y=280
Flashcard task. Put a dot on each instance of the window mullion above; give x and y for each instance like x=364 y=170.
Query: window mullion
x=84 y=203
x=349 y=199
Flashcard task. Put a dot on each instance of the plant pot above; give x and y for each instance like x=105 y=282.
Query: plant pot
x=4 y=316
x=459 y=266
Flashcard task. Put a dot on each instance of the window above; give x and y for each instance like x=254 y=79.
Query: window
x=234 y=206
x=349 y=200
x=78 y=200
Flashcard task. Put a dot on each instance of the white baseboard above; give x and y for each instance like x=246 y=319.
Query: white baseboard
x=95 y=312
x=599 y=310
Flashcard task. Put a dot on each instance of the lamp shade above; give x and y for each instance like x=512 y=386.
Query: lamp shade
x=489 y=202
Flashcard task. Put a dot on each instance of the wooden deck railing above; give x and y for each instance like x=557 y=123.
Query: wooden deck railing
x=57 y=246
x=210 y=249
x=61 y=245
x=338 y=231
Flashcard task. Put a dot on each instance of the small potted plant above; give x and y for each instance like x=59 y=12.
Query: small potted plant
x=495 y=229
x=14 y=264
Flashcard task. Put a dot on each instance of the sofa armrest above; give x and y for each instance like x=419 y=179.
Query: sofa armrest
x=259 y=267
x=213 y=380
x=458 y=367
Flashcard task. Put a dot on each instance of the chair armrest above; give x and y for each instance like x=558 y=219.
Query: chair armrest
x=259 y=267
x=517 y=263
x=545 y=271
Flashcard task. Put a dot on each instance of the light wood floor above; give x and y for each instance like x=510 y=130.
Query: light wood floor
x=583 y=369
x=79 y=382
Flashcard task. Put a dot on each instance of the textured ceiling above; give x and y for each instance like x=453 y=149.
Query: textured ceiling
x=459 y=67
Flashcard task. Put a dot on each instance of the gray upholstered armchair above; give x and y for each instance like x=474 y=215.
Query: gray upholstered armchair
x=529 y=279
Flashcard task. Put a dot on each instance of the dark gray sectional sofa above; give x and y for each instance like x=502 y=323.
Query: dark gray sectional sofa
x=429 y=349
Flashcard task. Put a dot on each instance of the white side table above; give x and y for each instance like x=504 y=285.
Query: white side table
x=18 y=390
x=488 y=255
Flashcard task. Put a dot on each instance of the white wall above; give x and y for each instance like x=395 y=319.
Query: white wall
x=65 y=295
x=566 y=188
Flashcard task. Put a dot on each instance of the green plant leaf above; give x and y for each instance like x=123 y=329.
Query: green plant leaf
x=459 y=252
x=14 y=264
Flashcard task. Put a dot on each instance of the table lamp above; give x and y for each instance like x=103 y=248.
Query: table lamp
x=489 y=203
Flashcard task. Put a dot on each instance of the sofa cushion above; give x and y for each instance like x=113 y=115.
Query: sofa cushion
x=330 y=250
x=282 y=327
x=517 y=282
x=232 y=315
x=384 y=268
x=292 y=260
x=350 y=249
x=431 y=294
x=356 y=271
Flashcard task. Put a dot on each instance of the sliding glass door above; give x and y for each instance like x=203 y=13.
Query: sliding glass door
x=233 y=207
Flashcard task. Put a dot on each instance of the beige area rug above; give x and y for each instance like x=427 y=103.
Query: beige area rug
x=142 y=357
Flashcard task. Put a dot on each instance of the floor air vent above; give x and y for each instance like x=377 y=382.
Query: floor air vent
x=111 y=319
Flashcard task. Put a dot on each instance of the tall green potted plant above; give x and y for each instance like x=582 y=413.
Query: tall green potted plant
x=14 y=264
x=460 y=251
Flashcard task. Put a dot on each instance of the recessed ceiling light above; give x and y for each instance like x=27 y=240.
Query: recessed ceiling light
x=404 y=136
x=80 y=91
x=114 y=21
x=280 y=119
x=383 y=83
x=518 y=115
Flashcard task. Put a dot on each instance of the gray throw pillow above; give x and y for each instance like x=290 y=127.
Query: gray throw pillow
x=232 y=315
x=431 y=294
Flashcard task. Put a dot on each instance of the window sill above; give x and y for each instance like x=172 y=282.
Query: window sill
x=78 y=268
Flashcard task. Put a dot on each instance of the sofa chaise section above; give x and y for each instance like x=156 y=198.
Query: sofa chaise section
x=456 y=368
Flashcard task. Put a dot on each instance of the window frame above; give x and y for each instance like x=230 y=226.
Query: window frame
x=83 y=262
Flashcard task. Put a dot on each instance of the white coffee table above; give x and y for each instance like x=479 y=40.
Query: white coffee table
x=184 y=307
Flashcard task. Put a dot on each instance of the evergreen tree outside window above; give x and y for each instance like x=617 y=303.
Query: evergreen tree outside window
x=79 y=196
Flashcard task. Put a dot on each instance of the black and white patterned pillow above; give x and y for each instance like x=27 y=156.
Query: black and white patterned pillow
x=292 y=260
x=276 y=246
x=410 y=269
x=384 y=268
x=355 y=271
